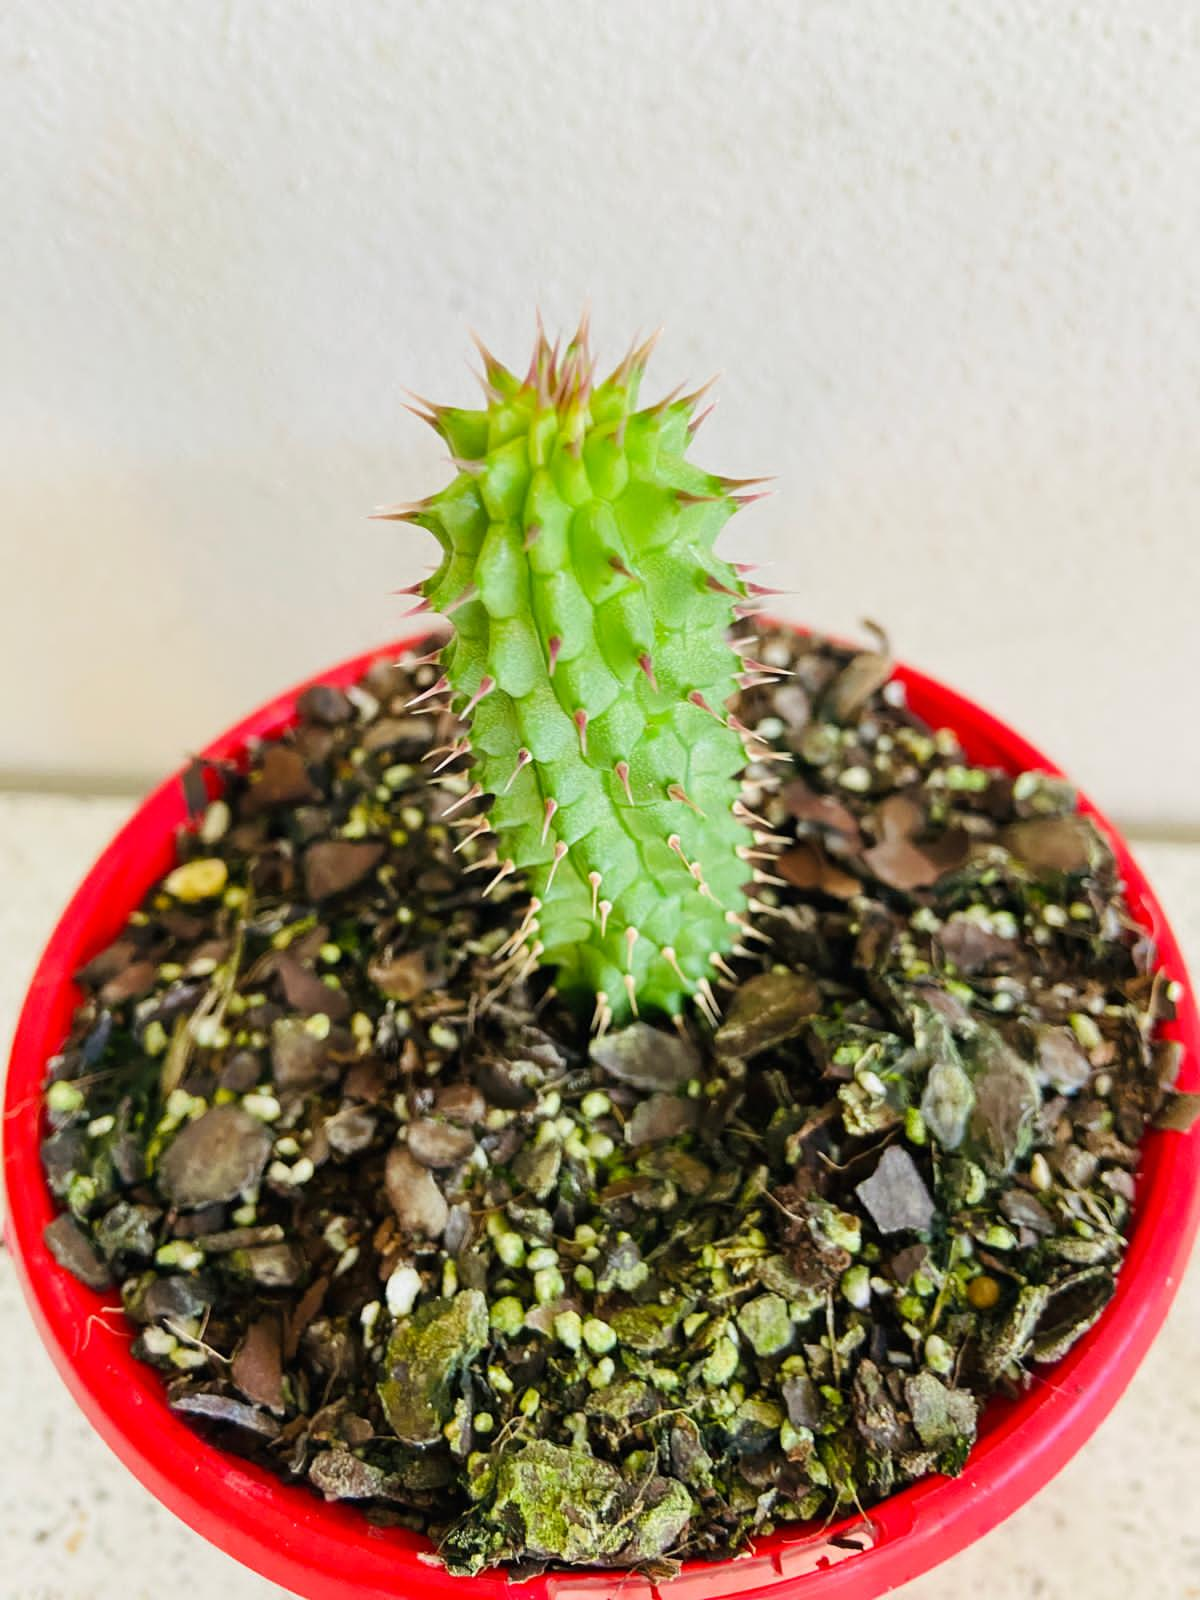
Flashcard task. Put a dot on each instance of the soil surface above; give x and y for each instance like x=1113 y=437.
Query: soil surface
x=390 y=1220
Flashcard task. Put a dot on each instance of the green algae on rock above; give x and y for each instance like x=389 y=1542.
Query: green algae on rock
x=425 y=1354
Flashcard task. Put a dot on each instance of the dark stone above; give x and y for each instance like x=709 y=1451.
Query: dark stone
x=767 y=1011
x=388 y=732
x=322 y=702
x=334 y=865
x=63 y=1155
x=305 y=992
x=214 y=1158
x=220 y=1409
x=133 y=983
x=299 y=1060
x=340 y=1475
x=274 y=1266
x=1067 y=844
x=461 y=1103
x=350 y=1130
x=401 y=977
x=242 y=1071
x=439 y=1144
x=895 y=1193
x=257 y=1367
x=72 y=1249
x=176 y=1297
x=419 y=1204
x=282 y=779
x=661 y=1116
x=128 y=1230
x=803 y=1401
x=646 y=1057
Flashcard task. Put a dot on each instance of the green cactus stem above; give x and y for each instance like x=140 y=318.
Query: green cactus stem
x=591 y=667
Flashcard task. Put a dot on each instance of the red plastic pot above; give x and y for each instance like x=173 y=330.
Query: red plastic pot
x=329 y=1552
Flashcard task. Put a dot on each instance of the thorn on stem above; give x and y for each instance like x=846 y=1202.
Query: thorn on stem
x=697 y=699
x=553 y=646
x=602 y=1015
x=647 y=666
x=669 y=956
x=706 y=989
x=523 y=760
x=676 y=791
x=744 y=814
x=749 y=931
x=506 y=870
x=484 y=864
x=631 y=991
x=622 y=771
x=580 y=719
x=449 y=753
x=595 y=880
x=403 y=511
x=605 y=908
x=473 y=793
x=698 y=421
x=550 y=807
x=486 y=685
x=530 y=962
x=560 y=851
x=439 y=687
x=717 y=587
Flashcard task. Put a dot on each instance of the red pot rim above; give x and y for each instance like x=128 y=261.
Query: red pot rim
x=328 y=1551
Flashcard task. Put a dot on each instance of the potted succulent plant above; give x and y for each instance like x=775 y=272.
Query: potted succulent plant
x=595 y=1092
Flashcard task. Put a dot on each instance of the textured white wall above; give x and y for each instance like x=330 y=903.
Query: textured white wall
x=946 y=255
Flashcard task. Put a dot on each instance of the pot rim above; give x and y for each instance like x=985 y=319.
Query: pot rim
x=328 y=1551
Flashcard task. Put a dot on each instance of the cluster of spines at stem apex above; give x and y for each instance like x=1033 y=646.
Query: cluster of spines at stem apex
x=592 y=666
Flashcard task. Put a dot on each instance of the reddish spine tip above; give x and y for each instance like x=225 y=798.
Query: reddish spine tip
x=551 y=806
x=486 y=685
x=622 y=771
x=717 y=587
x=439 y=687
x=560 y=851
x=532 y=534
x=700 y=419
x=580 y=720
x=553 y=646
x=472 y=793
x=523 y=760
x=676 y=791
x=647 y=667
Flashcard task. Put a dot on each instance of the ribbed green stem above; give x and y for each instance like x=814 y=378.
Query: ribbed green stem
x=590 y=659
